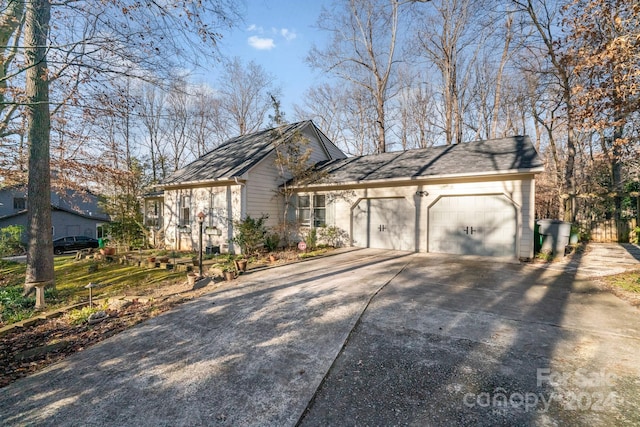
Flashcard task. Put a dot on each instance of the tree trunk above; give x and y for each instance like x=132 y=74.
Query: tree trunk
x=382 y=142
x=40 y=244
x=503 y=61
x=616 y=171
x=569 y=170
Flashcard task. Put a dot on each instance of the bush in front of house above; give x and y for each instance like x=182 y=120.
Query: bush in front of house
x=250 y=234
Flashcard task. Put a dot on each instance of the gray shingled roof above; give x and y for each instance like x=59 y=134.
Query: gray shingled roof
x=234 y=157
x=471 y=158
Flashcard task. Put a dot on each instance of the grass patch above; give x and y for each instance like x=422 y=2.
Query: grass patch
x=313 y=253
x=629 y=281
x=71 y=278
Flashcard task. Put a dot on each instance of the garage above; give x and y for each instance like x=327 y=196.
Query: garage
x=473 y=225
x=384 y=223
x=475 y=198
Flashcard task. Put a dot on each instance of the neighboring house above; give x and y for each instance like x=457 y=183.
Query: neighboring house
x=470 y=198
x=72 y=212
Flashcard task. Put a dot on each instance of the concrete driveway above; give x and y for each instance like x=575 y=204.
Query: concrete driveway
x=365 y=337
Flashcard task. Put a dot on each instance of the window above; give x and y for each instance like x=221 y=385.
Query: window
x=319 y=211
x=185 y=210
x=304 y=210
x=19 y=203
x=153 y=214
x=212 y=212
x=101 y=231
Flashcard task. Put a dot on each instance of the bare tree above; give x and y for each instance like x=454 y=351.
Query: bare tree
x=324 y=104
x=11 y=18
x=92 y=42
x=176 y=125
x=449 y=38
x=40 y=241
x=344 y=113
x=244 y=91
x=543 y=17
x=412 y=112
x=362 y=51
x=151 y=108
x=203 y=121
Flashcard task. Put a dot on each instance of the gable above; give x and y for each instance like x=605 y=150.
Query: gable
x=237 y=156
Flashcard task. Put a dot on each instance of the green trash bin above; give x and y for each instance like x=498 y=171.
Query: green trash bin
x=101 y=243
x=537 y=238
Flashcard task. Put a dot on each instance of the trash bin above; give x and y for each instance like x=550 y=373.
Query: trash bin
x=554 y=235
x=537 y=238
x=212 y=250
x=101 y=243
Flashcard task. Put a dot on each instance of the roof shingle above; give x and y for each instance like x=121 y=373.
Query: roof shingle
x=234 y=157
x=479 y=157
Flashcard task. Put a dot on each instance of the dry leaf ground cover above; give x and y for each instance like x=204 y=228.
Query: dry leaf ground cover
x=147 y=291
x=27 y=349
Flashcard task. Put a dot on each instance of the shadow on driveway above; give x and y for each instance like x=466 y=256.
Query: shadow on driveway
x=367 y=337
x=251 y=353
x=465 y=342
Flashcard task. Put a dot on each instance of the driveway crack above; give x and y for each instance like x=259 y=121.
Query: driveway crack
x=346 y=342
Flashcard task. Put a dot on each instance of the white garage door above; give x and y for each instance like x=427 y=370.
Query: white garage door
x=387 y=223
x=473 y=225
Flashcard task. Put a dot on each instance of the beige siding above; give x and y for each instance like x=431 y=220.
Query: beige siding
x=262 y=183
x=318 y=152
x=333 y=150
x=264 y=179
x=520 y=191
x=220 y=203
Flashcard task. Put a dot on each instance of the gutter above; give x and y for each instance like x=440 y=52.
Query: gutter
x=234 y=179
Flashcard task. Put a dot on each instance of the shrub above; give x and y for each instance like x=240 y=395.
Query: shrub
x=311 y=239
x=332 y=235
x=81 y=315
x=14 y=306
x=249 y=233
x=10 y=243
x=271 y=242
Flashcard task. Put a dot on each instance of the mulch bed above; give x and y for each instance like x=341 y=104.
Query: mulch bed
x=24 y=351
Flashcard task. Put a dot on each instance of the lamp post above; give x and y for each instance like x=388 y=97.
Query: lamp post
x=200 y=216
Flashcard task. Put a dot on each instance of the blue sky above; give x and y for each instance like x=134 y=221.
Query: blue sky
x=278 y=34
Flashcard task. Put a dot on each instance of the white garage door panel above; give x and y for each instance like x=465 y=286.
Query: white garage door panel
x=473 y=225
x=387 y=223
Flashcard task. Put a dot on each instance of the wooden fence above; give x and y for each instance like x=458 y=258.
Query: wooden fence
x=607 y=231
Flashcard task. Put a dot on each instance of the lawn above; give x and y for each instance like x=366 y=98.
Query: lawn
x=625 y=285
x=71 y=278
x=629 y=281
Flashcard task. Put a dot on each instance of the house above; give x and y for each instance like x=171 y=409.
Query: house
x=236 y=179
x=73 y=212
x=472 y=198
